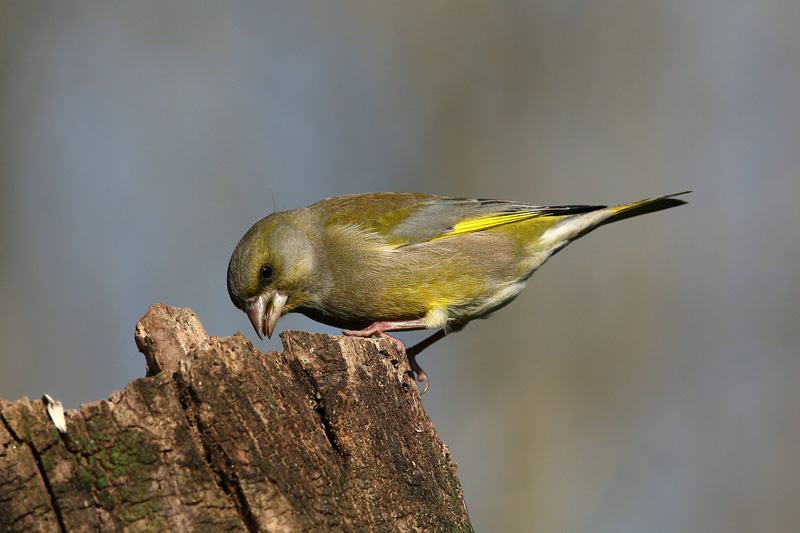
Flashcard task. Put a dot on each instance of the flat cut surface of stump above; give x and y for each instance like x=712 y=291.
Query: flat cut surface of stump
x=328 y=435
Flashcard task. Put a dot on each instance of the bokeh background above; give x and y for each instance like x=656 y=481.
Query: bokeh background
x=646 y=380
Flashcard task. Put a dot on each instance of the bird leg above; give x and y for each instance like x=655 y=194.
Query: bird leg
x=414 y=351
x=379 y=329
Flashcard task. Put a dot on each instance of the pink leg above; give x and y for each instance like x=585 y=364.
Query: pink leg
x=379 y=329
x=414 y=351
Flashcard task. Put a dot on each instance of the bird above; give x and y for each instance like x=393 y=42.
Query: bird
x=381 y=262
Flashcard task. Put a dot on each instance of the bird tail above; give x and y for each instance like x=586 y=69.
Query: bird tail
x=642 y=207
x=571 y=227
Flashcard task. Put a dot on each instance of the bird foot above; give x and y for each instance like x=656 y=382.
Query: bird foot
x=422 y=376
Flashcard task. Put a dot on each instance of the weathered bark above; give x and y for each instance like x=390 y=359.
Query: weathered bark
x=328 y=435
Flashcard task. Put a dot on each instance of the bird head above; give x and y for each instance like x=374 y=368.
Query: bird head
x=269 y=271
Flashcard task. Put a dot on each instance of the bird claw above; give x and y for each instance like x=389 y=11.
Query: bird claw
x=421 y=375
x=417 y=371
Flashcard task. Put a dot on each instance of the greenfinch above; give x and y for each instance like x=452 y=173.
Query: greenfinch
x=378 y=262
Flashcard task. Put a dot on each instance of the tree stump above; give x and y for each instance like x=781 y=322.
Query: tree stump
x=329 y=435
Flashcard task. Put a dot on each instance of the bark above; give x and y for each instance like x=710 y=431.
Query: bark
x=329 y=435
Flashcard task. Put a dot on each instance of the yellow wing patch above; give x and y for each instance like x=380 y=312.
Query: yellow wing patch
x=480 y=224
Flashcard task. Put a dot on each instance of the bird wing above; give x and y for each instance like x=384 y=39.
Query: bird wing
x=442 y=217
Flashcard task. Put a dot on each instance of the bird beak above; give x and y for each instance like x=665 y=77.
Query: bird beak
x=264 y=313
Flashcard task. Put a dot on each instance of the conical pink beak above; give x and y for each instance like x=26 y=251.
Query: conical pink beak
x=264 y=313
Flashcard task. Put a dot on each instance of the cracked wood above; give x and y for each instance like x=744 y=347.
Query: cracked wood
x=330 y=434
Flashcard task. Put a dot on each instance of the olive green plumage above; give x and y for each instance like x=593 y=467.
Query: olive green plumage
x=350 y=261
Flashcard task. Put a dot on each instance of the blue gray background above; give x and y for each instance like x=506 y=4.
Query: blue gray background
x=646 y=380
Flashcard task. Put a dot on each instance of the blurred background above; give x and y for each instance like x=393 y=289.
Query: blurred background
x=646 y=380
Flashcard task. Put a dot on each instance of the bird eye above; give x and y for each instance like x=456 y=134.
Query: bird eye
x=266 y=272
